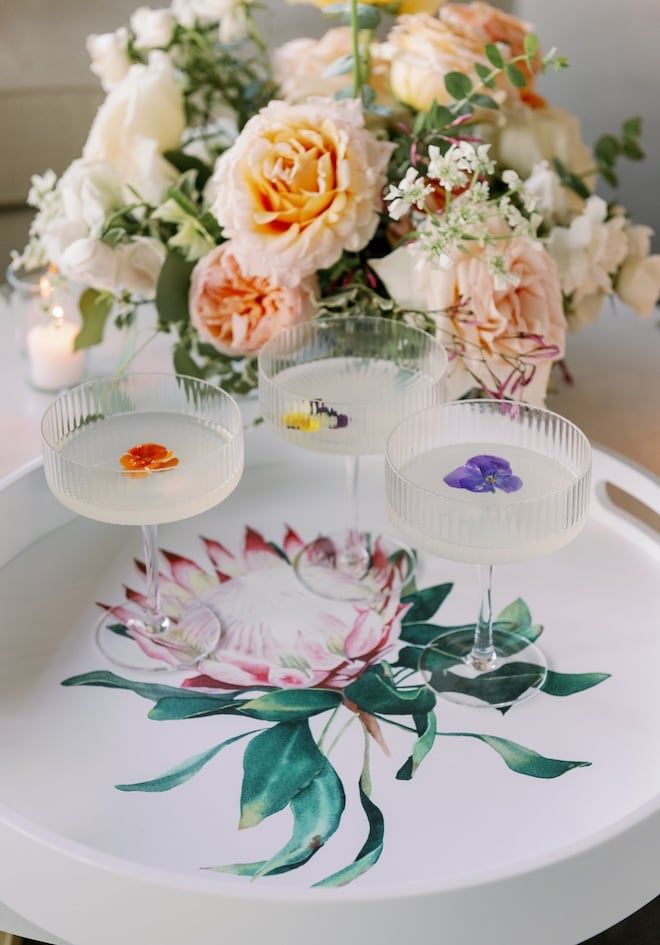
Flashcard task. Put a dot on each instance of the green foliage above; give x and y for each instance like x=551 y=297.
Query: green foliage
x=95 y=308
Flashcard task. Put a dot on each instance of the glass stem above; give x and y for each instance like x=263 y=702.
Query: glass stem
x=352 y=477
x=157 y=622
x=483 y=656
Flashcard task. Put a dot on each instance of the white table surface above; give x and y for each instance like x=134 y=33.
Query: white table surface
x=615 y=398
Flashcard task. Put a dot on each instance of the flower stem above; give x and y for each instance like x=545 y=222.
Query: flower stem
x=357 y=63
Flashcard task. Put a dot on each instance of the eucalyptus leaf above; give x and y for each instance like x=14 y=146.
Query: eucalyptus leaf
x=515 y=76
x=494 y=55
x=520 y=759
x=458 y=85
x=484 y=74
x=340 y=66
x=277 y=764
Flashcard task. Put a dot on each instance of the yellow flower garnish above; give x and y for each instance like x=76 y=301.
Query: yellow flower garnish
x=300 y=421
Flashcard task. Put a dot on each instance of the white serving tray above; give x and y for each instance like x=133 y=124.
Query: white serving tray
x=473 y=851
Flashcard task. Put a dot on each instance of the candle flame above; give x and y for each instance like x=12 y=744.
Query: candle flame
x=58 y=315
x=45 y=287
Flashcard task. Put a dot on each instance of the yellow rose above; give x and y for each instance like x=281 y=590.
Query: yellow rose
x=301 y=184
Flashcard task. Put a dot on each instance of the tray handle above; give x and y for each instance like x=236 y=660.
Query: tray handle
x=637 y=512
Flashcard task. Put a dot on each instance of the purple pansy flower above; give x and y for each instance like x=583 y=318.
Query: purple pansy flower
x=484 y=474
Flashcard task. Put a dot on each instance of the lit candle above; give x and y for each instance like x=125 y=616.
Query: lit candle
x=53 y=362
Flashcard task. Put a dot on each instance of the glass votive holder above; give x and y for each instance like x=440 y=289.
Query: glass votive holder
x=32 y=295
x=53 y=362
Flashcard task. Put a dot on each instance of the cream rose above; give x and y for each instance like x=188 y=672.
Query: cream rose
x=299 y=67
x=142 y=117
x=520 y=137
x=109 y=56
x=236 y=313
x=301 y=184
x=152 y=28
x=638 y=280
x=90 y=262
x=425 y=48
x=139 y=265
x=502 y=339
x=588 y=253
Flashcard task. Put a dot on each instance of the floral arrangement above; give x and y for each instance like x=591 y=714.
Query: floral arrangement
x=404 y=165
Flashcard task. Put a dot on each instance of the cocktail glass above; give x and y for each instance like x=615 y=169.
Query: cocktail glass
x=145 y=449
x=487 y=482
x=339 y=385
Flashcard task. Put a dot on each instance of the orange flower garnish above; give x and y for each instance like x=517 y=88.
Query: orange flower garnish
x=147 y=458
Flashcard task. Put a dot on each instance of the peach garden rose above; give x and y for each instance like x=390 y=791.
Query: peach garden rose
x=425 y=48
x=236 y=313
x=301 y=184
x=520 y=326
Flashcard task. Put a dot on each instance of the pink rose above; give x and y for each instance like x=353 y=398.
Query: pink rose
x=237 y=313
x=508 y=337
x=502 y=339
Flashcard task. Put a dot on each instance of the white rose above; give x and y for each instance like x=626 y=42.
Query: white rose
x=110 y=59
x=638 y=280
x=90 y=262
x=139 y=264
x=589 y=251
x=58 y=235
x=553 y=200
x=187 y=12
x=152 y=28
x=142 y=117
x=234 y=25
x=89 y=190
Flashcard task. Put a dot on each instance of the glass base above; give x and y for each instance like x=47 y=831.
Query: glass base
x=170 y=648
x=354 y=566
x=515 y=674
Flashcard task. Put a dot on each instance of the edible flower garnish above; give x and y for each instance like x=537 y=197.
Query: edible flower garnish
x=484 y=474
x=147 y=458
x=320 y=417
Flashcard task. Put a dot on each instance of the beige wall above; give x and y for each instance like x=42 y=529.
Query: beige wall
x=48 y=94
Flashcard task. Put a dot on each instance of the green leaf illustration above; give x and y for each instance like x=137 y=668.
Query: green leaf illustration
x=426 y=726
x=566 y=684
x=317 y=811
x=376 y=693
x=291 y=704
x=194 y=705
x=171 y=702
x=278 y=764
x=371 y=850
x=182 y=772
x=425 y=602
x=504 y=684
x=520 y=759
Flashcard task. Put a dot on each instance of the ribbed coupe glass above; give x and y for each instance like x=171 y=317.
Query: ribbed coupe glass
x=145 y=449
x=339 y=385
x=487 y=482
